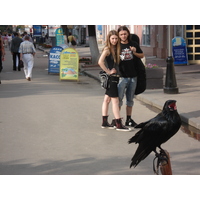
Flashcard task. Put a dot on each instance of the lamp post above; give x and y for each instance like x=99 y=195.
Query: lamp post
x=170 y=79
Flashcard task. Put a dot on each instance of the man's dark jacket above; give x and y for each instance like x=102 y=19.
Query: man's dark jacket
x=15 y=44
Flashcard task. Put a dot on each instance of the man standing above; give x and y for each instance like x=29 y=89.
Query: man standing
x=27 y=52
x=128 y=73
x=15 y=43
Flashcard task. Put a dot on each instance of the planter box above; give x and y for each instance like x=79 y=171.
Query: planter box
x=154 y=78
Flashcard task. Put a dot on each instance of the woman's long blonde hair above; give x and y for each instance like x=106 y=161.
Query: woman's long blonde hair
x=114 y=51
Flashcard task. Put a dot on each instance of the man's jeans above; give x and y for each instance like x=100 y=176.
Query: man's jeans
x=127 y=86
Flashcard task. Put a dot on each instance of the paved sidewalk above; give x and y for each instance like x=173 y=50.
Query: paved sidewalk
x=188 y=82
x=40 y=133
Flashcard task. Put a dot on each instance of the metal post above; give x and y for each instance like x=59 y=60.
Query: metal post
x=170 y=79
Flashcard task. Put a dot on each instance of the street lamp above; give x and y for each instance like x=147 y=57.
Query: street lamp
x=170 y=79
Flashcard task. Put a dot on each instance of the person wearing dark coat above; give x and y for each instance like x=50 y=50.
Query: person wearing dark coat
x=15 y=43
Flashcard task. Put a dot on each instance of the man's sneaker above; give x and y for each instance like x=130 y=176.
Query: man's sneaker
x=107 y=125
x=120 y=126
x=130 y=122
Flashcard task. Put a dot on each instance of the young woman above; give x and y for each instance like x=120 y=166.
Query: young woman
x=111 y=54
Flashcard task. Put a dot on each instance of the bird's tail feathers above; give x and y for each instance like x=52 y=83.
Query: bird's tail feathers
x=140 y=154
x=133 y=139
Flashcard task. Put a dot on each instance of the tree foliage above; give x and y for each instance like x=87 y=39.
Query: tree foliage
x=5 y=29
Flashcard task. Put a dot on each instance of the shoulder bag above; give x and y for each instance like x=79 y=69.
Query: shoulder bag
x=104 y=79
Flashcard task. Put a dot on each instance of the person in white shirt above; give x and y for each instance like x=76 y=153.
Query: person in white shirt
x=27 y=52
x=30 y=39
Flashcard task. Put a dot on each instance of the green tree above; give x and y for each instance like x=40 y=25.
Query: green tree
x=21 y=27
x=6 y=29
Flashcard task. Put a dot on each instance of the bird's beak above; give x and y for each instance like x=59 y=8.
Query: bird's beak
x=172 y=106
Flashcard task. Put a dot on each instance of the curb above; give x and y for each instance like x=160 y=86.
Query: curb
x=90 y=75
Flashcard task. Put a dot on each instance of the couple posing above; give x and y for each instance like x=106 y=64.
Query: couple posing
x=117 y=60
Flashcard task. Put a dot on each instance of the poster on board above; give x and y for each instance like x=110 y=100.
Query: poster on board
x=69 y=64
x=59 y=36
x=179 y=50
x=54 y=59
x=37 y=30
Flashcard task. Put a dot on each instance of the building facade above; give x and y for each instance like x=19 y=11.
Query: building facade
x=154 y=39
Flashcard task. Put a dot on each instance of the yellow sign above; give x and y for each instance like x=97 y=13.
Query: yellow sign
x=69 y=64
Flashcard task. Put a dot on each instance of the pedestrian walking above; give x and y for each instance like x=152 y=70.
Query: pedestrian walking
x=15 y=44
x=110 y=56
x=2 y=54
x=9 y=40
x=26 y=34
x=72 y=40
x=128 y=74
x=27 y=52
x=5 y=40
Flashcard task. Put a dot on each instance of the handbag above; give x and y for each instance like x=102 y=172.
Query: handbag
x=21 y=64
x=104 y=79
x=141 y=77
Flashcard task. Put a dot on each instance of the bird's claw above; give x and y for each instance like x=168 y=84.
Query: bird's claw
x=164 y=155
x=161 y=158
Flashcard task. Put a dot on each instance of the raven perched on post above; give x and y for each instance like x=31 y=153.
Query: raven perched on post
x=155 y=132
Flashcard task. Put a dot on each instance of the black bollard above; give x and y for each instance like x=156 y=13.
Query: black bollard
x=170 y=80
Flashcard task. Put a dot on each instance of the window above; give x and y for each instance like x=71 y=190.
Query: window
x=146 y=35
x=189 y=27
x=192 y=34
x=189 y=34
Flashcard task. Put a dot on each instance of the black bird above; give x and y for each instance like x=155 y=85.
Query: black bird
x=155 y=132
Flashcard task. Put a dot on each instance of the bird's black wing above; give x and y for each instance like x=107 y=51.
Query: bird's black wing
x=148 y=138
x=152 y=125
x=141 y=125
